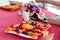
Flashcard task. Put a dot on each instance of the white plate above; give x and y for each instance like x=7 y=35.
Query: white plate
x=23 y=35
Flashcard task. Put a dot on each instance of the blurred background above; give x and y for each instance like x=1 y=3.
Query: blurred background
x=50 y=5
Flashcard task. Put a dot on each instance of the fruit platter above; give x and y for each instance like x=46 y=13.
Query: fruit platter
x=29 y=30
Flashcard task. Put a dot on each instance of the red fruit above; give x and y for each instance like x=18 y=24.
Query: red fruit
x=43 y=28
x=37 y=30
x=39 y=33
x=20 y=26
x=36 y=24
x=48 y=25
x=11 y=26
x=27 y=30
x=19 y=31
x=37 y=27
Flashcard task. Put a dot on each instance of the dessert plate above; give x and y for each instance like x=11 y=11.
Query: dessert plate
x=32 y=31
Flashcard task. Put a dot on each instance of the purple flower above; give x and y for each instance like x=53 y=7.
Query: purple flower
x=35 y=9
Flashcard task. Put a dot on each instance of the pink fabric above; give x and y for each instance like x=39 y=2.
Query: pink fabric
x=8 y=18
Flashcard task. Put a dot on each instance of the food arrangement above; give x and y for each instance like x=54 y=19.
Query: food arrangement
x=11 y=7
x=29 y=30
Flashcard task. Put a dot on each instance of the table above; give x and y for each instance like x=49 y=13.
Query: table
x=11 y=17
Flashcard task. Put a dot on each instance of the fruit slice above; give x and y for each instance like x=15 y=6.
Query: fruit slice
x=27 y=26
x=36 y=30
x=20 y=31
x=48 y=25
x=8 y=29
x=34 y=36
x=30 y=32
x=41 y=25
x=16 y=29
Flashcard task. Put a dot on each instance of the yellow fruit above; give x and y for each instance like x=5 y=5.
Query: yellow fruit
x=27 y=26
x=9 y=29
x=33 y=36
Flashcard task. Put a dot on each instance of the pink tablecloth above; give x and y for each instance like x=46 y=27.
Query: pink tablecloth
x=8 y=18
